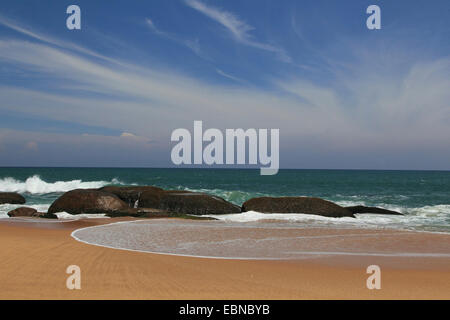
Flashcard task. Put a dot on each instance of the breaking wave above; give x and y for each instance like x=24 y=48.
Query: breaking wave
x=35 y=185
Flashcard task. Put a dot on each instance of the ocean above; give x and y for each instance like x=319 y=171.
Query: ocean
x=423 y=196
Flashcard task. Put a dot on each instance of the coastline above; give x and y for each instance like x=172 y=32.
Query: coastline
x=34 y=256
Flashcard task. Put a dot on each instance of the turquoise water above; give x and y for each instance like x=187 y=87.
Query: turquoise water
x=424 y=196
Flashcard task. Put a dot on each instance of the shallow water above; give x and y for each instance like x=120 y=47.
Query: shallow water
x=258 y=240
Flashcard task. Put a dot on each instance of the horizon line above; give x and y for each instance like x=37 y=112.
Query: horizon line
x=211 y=168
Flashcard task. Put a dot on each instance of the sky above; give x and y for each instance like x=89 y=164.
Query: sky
x=110 y=94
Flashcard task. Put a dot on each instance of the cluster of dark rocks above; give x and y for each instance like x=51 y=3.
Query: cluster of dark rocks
x=149 y=201
x=15 y=198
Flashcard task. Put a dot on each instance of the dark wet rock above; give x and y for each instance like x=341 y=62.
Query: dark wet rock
x=11 y=197
x=139 y=213
x=193 y=203
x=47 y=215
x=153 y=213
x=305 y=205
x=154 y=201
x=146 y=196
x=364 y=209
x=152 y=198
x=30 y=212
x=87 y=201
x=23 y=212
x=151 y=202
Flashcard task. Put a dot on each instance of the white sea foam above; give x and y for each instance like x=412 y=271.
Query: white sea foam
x=251 y=216
x=429 y=218
x=35 y=185
x=5 y=208
x=65 y=215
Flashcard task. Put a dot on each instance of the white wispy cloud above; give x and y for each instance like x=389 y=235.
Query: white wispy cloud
x=229 y=76
x=238 y=28
x=372 y=109
x=24 y=30
x=193 y=45
x=362 y=110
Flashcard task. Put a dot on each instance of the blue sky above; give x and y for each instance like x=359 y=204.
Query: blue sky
x=111 y=93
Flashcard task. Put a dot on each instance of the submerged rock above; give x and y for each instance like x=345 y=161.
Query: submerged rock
x=306 y=205
x=364 y=209
x=11 y=197
x=87 y=201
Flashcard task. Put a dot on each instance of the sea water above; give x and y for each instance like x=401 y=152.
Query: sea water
x=423 y=196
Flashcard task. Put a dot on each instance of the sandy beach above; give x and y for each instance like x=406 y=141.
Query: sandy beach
x=34 y=256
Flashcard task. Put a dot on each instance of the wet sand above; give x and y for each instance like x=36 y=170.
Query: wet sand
x=34 y=257
x=261 y=240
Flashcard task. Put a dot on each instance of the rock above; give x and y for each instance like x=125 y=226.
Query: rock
x=147 y=195
x=87 y=201
x=152 y=202
x=11 y=197
x=156 y=202
x=305 y=205
x=154 y=213
x=30 y=212
x=363 y=209
x=47 y=215
x=149 y=199
x=23 y=212
x=193 y=203
x=152 y=199
x=139 y=213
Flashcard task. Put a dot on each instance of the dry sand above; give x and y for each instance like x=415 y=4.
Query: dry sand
x=34 y=257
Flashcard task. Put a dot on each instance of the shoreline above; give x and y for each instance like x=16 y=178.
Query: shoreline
x=35 y=255
x=315 y=233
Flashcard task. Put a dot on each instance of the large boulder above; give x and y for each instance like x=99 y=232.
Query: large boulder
x=152 y=199
x=305 y=205
x=87 y=201
x=151 y=202
x=195 y=203
x=11 y=197
x=30 y=212
x=146 y=196
x=364 y=209
x=143 y=196
x=156 y=202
